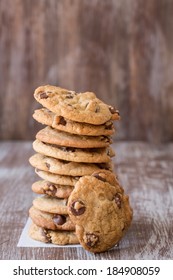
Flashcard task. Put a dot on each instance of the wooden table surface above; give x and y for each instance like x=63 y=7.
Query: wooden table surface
x=146 y=173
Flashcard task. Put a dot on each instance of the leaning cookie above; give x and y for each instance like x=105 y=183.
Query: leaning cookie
x=100 y=211
x=54 y=190
x=50 y=221
x=68 y=168
x=47 y=117
x=61 y=138
x=96 y=155
x=51 y=236
x=79 y=107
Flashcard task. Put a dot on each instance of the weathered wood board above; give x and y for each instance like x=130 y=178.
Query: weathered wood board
x=146 y=173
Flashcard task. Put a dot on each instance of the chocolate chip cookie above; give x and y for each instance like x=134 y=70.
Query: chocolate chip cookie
x=96 y=155
x=100 y=211
x=47 y=117
x=54 y=190
x=50 y=221
x=51 y=205
x=56 y=237
x=63 y=167
x=61 y=138
x=79 y=107
x=57 y=179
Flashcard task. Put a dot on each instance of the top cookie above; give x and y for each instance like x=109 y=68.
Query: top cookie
x=80 y=107
x=100 y=211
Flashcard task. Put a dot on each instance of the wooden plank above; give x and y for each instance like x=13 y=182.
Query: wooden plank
x=146 y=173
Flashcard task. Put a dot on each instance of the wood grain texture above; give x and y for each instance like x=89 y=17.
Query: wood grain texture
x=146 y=173
x=121 y=49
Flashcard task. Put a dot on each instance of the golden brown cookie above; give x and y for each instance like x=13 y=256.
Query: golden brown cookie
x=63 y=167
x=57 y=179
x=51 y=205
x=56 y=237
x=50 y=221
x=79 y=107
x=61 y=138
x=100 y=211
x=47 y=117
x=54 y=190
x=97 y=155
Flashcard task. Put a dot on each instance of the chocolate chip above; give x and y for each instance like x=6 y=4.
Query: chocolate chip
x=86 y=105
x=91 y=239
x=103 y=166
x=77 y=208
x=62 y=148
x=117 y=112
x=113 y=110
x=97 y=109
x=69 y=96
x=59 y=219
x=47 y=165
x=108 y=126
x=51 y=189
x=62 y=121
x=104 y=138
x=67 y=149
x=117 y=199
x=73 y=93
x=47 y=236
x=109 y=152
x=43 y=95
x=63 y=161
x=99 y=177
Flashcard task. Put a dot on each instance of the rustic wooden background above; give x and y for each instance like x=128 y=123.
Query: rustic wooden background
x=121 y=49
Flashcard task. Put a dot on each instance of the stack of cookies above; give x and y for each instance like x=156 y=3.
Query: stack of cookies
x=72 y=149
